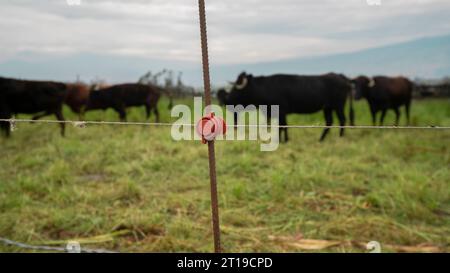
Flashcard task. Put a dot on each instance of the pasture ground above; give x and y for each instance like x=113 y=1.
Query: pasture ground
x=134 y=189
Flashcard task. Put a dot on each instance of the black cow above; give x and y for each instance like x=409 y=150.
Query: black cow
x=222 y=96
x=119 y=97
x=383 y=93
x=295 y=94
x=31 y=97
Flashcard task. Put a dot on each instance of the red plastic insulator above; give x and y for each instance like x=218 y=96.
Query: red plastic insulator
x=210 y=126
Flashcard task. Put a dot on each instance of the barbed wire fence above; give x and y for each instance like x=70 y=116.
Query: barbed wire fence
x=84 y=124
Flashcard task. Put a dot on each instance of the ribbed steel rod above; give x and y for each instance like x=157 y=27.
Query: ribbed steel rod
x=211 y=150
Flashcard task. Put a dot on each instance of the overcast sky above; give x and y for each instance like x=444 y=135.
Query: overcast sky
x=240 y=31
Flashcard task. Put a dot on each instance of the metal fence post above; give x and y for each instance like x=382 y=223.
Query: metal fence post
x=211 y=150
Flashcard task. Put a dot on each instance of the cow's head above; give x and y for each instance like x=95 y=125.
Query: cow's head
x=241 y=93
x=362 y=86
x=222 y=97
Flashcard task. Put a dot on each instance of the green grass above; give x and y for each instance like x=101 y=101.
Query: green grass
x=392 y=186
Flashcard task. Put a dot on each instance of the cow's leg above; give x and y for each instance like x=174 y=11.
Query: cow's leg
x=383 y=114
x=407 y=108
x=156 y=111
x=329 y=121
x=5 y=127
x=269 y=118
x=397 y=116
x=60 y=117
x=122 y=113
x=148 y=110
x=373 y=112
x=8 y=128
x=81 y=114
x=283 y=122
x=342 y=120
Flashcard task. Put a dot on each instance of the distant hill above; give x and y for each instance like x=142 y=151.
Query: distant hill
x=112 y=68
x=425 y=58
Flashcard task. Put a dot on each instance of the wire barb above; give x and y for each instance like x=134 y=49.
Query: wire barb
x=79 y=124
x=12 y=125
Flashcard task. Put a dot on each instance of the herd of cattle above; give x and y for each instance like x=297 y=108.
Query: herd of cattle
x=294 y=94
x=327 y=93
x=43 y=98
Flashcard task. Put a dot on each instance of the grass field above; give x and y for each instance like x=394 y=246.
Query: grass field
x=134 y=189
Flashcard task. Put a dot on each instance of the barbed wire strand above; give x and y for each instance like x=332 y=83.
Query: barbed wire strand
x=9 y=242
x=167 y=124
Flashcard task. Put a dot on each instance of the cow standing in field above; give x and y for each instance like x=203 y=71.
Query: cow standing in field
x=120 y=97
x=383 y=93
x=295 y=94
x=31 y=97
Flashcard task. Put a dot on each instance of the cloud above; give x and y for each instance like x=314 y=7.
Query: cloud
x=247 y=31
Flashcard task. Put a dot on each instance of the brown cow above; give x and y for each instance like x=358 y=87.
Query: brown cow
x=77 y=98
x=383 y=93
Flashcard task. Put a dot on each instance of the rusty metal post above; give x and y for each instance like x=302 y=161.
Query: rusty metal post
x=211 y=150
